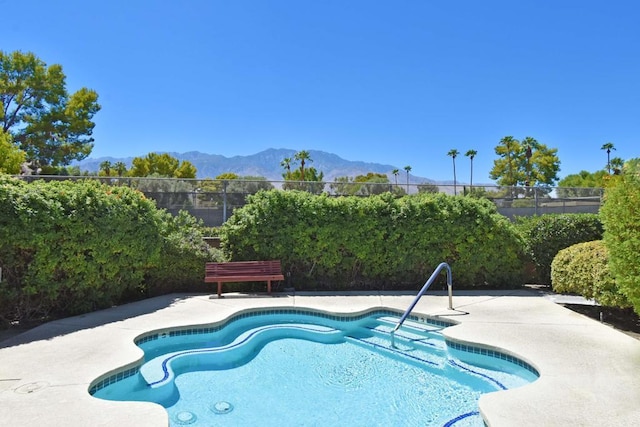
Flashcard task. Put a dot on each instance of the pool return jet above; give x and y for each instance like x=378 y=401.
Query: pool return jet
x=443 y=265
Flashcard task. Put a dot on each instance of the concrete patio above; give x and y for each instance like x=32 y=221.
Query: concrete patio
x=589 y=372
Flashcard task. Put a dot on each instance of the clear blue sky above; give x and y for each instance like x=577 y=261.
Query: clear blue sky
x=398 y=82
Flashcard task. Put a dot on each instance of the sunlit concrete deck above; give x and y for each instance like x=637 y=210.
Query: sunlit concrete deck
x=590 y=372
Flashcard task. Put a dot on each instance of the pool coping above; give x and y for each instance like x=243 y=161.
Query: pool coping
x=588 y=370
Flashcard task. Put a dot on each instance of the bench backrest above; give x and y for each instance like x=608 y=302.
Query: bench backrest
x=243 y=268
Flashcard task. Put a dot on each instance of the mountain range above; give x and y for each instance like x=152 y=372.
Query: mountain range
x=267 y=164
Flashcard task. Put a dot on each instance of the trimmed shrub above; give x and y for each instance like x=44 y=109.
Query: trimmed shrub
x=583 y=269
x=379 y=242
x=182 y=256
x=71 y=247
x=621 y=218
x=545 y=235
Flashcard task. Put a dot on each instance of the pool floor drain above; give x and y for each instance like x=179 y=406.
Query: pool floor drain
x=185 y=417
x=222 y=407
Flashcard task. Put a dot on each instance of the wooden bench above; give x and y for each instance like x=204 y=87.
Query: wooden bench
x=242 y=271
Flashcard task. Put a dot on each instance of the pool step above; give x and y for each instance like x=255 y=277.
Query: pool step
x=410 y=333
x=416 y=341
x=415 y=352
x=421 y=326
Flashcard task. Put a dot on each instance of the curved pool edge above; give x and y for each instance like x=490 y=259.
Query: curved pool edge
x=471 y=348
x=575 y=387
x=133 y=368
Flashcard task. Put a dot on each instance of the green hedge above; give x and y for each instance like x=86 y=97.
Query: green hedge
x=72 y=247
x=621 y=217
x=545 y=235
x=583 y=269
x=182 y=256
x=379 y=242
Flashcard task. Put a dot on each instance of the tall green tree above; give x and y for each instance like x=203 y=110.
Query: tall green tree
x=453 y=153
x=471 y=154
x=11 y=157
x=608 y=147
x=50 y=125
x=162 y=165
x=504 y=168
x=525 y=164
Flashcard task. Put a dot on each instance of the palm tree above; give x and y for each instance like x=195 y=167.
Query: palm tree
x=286 y=163
x=303 y=156
x=471 y=154
x=529 y=144
x=106 y=167
x=120 y=168
x=395 y=173
x=608 y=146
x=617 y=164
x=408 y=169
x=454 y=153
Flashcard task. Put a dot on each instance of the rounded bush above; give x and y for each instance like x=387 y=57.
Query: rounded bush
x=583 y=269
x=545 y=235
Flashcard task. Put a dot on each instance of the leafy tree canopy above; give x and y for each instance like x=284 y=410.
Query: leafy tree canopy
x=582 y=184
x=372 y=177
x=526 y=163
x=361 y=185
x=312 y=182
x=235 y=187
x=11 y=157
x=310 y=174
x=162 y=165
x=51 y=126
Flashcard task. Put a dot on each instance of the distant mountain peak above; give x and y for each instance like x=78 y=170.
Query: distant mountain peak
x=266 y=163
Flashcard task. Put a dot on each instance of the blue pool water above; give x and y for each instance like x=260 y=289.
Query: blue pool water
x=300 y=368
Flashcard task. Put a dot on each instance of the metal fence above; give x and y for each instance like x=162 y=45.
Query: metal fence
x=213 y=201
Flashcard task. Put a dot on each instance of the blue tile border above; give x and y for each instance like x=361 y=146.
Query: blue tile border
x=341 y=318
x=118 y=376
x=491 y=353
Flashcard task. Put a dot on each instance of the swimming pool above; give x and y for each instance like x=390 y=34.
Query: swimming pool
x=301 y=367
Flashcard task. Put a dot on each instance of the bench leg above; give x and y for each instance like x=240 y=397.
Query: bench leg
x=269 y=287
x=219 y=289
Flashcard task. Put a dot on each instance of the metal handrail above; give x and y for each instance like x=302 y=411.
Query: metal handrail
x=422 y=291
